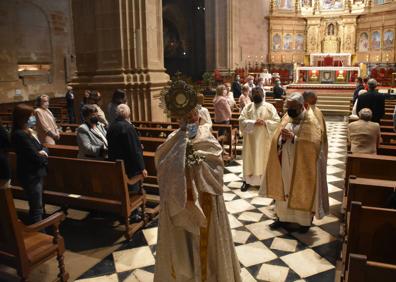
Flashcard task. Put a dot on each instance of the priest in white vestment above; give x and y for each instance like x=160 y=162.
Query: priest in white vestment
x=291 y=176
x=322 y=206
x=194 y=236
x=257 y=122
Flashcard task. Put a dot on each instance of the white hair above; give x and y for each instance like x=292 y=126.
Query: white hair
x=365 y=114
x=296 y=96
x=123 y=111
x=363 y=91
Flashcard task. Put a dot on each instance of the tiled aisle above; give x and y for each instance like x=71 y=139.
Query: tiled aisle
x=265 y=255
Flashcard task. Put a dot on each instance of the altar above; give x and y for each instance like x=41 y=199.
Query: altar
x=326 y=75
x=327 y=68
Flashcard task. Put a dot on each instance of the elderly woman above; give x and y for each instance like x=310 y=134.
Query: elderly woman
x=230 y=95
x=94 y=99
x=250 y=83
x=222 y=107
x=364 y=136
x=31 y=160
x=91 y=135
x=244 y=99
x=47 y=130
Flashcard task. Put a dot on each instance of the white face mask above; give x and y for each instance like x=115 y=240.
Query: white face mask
x=192 y=129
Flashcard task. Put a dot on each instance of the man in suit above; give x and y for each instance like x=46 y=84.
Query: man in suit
x=372 y=100
x=236 y=86
x=364 y=136
x=70 y=104
x=124 y=144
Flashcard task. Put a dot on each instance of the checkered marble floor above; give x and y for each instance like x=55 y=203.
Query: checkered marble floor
x=264 y=254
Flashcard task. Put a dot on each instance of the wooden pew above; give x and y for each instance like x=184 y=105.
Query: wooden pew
x=371 y=232
x=150 y=182
x=386 y=122
x=387 y=128
x=67 y=138
x=388 y=137
x=363 y=270
x=91 y=185
x=369 y=192
x=231 y=142
x=70 y=139
x=389 y=150
x=370 y=166
x=69 y=127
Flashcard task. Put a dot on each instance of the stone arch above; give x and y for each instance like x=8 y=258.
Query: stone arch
x=34 y=38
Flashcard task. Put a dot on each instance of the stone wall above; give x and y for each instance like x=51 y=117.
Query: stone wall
x=38 y=35
x=236 y=33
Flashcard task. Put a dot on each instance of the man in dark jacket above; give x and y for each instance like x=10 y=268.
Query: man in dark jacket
x=124 y=144
x=278 y=90
x=359 y=86
x=236 y=86
x=372 y=100
x=70 y=104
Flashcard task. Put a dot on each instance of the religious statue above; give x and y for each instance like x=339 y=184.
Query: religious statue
x=330 y=29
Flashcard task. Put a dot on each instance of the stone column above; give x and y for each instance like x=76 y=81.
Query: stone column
x=119 y=44
x=222 y=34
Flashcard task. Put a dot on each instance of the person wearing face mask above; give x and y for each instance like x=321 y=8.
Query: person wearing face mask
x=192 y=211
x=46 y=128
x=291 y=179
x=310 y=100
x=31 y=161
x=257 y=122
x=124 y=144
x=91 y=135
x=260 y=83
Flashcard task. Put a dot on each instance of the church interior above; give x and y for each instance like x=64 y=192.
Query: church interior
x=69 y=52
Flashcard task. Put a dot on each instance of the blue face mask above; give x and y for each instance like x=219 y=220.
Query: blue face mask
x=32 y=121
x=192 y=129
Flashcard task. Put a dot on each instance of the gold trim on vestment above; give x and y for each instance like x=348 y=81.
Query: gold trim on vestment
x=305 y=165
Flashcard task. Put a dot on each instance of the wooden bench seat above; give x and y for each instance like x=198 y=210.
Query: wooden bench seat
x=231 y=142
x=370 y=166
x=387 y=128
x=370 y=192
x=371 y=232
x=388 y=137
x=363 y=270
x=90 y=185
x=389 y=150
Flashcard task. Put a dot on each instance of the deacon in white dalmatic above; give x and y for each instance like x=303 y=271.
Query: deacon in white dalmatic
x=292 y=177
x=194 y=236
x=257 y=122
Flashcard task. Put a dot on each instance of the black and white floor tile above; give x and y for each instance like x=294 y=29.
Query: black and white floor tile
x=264 y=254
